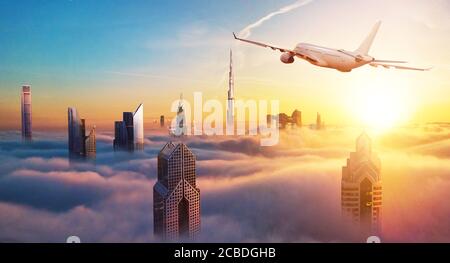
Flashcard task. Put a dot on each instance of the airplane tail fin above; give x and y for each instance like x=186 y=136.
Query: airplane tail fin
x=365 y=45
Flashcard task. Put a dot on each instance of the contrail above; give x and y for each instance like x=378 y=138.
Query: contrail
x=244 y=33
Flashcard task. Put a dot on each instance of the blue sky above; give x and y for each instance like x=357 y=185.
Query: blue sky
x=121 y=53
x=73 y=37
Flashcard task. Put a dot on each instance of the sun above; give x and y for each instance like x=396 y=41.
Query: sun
x=380 y=111
x=382 y=105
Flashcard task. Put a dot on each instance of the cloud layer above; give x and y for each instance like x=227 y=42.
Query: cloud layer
x=286 y=193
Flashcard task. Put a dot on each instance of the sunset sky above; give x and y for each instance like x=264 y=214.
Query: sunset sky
x=106 y=57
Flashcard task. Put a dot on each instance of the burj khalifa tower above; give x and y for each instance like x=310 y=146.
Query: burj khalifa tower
x=230 y=105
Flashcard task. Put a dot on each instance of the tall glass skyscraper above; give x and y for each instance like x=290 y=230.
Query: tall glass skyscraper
x=181 y=127
x=26 y=112
x=176 y=198
x=80 y=145
x=129 y=128
x=120 y=135
x=129 y=133
x=76 y=133
x=361 y=191
x=138 y=127
x=297 y=118
x=230 y=99
x=90 y=145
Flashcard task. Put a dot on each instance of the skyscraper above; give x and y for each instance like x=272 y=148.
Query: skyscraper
x=361 y=190
x=319 y=123
x=138 y=127
x=176 y=198
x=161 y=121
x=26 y=112
x=80 y=145
x=297 y=118
x=181 y=127
x=120 y=136
x=76 y=133
x=129 y=133
x=230 y=105
x=90 y=144
x=128 y=121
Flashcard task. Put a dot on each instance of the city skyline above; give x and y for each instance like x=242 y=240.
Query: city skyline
x=133 y=54
x=233 y=173
x=85 y=158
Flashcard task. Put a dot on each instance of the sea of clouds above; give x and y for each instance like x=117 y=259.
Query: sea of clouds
x=285 y=193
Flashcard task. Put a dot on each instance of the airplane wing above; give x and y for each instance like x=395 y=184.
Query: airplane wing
x=376 y=64
x=264 y=45
x=283 y=50
x=388 y=61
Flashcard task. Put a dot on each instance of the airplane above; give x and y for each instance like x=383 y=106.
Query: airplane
x=339 y=59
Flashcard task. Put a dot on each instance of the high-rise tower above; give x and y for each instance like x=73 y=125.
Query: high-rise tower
x=161 y=121
x=129 y=133
x=128 y=121
x=176 y=198
x=80 y=145
x=26 y=112
x=361 y=192
x=138 y=127
x=319 y=122
x=76 y=131
x=181 y=125
x=90 y=145
x=297 y=118
x=230 y=100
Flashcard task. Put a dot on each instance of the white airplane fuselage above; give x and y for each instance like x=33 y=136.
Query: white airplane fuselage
x=338 y=59
x=341 y=60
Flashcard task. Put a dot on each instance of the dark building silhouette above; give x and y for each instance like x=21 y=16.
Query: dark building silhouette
x=320 y=125
x=284 y=120
x=26 y=112
x=120 y=136
x=297 y=118
x=128 y=122
x=129 y=133
x=90 y=145
x=176 y=198
x=161 y=121
x=80 y=145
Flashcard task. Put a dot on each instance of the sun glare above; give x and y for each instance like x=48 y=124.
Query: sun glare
x=382 y=105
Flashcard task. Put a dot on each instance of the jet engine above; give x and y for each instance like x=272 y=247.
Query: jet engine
x=287 y=58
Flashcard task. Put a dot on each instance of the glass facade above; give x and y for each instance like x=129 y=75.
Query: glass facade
x=129 y=133
x=176 y=198
x=26 y=112
x=80 y=145
x=90 y=145
x=76 y=130
x=120 y=136
x=138 y=126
